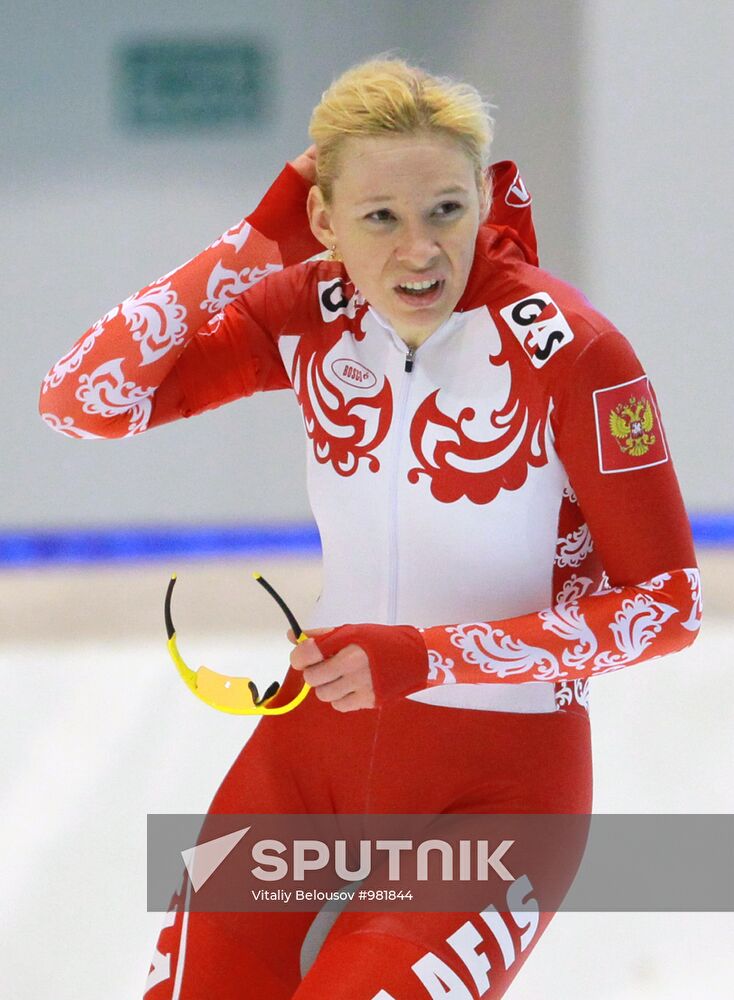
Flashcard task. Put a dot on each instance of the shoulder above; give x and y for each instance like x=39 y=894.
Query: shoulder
x=325 y=292
x=316 y=277
x=553 y=322
x=313 y=290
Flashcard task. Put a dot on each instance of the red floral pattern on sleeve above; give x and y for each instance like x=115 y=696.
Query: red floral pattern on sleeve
x=581 y=636
x=109 y=384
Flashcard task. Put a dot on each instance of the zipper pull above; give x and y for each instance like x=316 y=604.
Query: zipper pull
x=409 y=359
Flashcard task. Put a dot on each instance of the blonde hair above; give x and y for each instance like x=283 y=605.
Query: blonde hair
x=387 y=95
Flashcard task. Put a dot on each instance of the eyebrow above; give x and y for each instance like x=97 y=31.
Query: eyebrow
x=457 y=189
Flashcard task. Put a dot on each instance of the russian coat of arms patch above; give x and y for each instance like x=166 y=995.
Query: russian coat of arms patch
x=628 y=428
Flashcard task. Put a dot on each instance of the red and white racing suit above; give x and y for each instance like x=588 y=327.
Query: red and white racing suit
x=500 y=521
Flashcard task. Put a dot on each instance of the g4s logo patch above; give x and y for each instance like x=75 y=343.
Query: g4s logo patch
x=539 y=325
x=333 y=300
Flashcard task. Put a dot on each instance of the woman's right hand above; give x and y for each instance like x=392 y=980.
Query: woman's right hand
x=305 y=164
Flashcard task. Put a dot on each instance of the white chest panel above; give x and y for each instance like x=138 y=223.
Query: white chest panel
x=393 y=551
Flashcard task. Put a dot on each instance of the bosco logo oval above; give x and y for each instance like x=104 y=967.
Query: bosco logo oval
x=353 y=373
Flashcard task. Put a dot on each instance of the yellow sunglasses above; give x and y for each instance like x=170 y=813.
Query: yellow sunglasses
x=236 y=695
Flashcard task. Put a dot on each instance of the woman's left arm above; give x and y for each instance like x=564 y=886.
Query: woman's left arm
x=609 y=436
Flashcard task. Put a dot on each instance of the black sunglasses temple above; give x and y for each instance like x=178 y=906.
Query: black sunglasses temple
x=297 y=631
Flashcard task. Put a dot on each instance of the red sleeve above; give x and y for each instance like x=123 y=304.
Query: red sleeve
x=200 y=336
x=610 y=438
x=235 y=355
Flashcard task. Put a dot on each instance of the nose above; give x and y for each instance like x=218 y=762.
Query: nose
x=416 y=247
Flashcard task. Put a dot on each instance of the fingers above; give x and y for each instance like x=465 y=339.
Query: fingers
x=319 y=671
x=304 y=654
x=307 y=653
x=354 y=701
x=305 y=164
x=331 y=690
x=344 y=679
x=346 y=692
x=312 y=631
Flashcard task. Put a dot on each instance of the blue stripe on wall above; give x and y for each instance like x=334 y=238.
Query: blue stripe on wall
x=100 y=545
x=713 y=530
x=103 y=545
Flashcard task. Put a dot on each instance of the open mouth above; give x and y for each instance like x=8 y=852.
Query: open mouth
x=420 y=292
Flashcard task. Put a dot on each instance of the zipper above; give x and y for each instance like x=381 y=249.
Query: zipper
x=392 y=598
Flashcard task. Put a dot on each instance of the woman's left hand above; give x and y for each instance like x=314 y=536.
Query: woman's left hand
x=305 y=164
x=344 y=679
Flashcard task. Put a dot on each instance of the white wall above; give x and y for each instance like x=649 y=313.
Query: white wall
x=658 y=160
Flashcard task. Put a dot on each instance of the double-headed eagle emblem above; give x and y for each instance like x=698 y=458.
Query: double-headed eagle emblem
x=631 y=424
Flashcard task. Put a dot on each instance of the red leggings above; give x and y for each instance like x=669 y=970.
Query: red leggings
x=407 y=757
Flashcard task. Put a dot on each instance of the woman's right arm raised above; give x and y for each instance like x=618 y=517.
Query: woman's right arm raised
x=194 y=338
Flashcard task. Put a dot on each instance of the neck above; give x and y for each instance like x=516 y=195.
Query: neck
x=409 y=336
x=413 y=337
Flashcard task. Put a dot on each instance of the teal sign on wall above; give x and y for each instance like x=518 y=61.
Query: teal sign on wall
x=182 y=85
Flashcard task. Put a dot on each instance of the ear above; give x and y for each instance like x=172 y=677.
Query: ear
x=319 y=217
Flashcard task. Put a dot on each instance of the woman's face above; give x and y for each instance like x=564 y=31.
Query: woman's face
x=405 y=209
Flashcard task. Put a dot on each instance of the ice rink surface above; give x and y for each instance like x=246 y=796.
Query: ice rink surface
x=98 y=731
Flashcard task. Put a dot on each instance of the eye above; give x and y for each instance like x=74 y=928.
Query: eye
x=447 y=208
x=381 y=215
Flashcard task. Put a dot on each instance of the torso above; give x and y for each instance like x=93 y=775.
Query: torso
x=438 y=492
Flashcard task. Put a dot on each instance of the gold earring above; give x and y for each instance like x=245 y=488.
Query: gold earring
x=332 y=252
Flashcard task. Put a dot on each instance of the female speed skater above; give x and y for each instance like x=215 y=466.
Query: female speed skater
x=499 y=514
